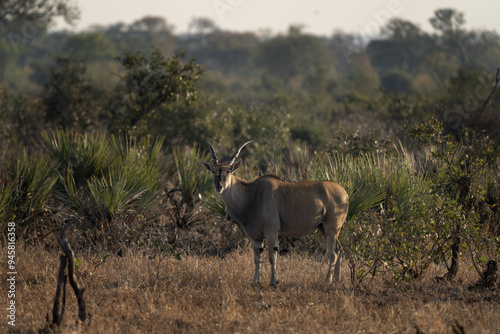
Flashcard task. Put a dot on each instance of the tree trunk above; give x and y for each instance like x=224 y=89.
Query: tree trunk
x=452 y=272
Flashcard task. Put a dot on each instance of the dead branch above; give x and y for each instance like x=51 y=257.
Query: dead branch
x=82 y=313
x=479 y=111
x=57 y=317
x=67 y=259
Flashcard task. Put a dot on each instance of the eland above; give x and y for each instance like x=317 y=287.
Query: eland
x=268 y=208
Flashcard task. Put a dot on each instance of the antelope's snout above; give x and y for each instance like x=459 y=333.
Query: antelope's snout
x=218 y=186
x=220 y=178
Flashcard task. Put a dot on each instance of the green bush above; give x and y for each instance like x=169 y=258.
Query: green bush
x=408 y=227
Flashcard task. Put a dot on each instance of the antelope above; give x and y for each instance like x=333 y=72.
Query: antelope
x=268 y=208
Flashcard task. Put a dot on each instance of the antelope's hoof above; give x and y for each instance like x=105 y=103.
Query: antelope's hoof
x=274 y=283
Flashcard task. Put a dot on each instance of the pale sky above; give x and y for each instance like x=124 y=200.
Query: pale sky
x=321 y=17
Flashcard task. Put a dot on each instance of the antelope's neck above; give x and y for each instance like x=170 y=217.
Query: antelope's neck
x=235 y=195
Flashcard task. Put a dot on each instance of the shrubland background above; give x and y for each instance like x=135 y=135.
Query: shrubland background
x=105 y=130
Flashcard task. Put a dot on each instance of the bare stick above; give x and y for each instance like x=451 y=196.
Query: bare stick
x=61 y=284
x=63 y=307
x=82 y=313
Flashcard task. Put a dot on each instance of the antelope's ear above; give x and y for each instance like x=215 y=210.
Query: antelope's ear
x=236 y=165
x=207 y=166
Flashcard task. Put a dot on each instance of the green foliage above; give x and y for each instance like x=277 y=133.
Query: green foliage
x=191 y=183
x=372 y=179
x=399 y=219
x=357 y=143
x=135 y=178
x=26 y=185
x=363 y=199
x=22 y=121
x=285 y=88
x=400 y=106
x=455 y=183
x=82 y=156
x=404 y=49
x=191 y=176
x=37 y=11
x=100 y=177
x=396 y=81
x=70 y=98
x=459 y=164
x=291 y=55
x=90 y=47
x=149 y=85
x=214 y=203
x=124 y=187
x=142 y=34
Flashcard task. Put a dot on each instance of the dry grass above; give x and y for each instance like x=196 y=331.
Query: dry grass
x=136 y=294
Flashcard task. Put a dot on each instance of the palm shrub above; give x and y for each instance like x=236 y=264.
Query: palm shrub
x=26 y=186
x=83 y=155
x=99 y=177
x=133 y=180
x=191 y=182
x=360 y=176
x=191 y=176
x=77 y=159
x=214 y=203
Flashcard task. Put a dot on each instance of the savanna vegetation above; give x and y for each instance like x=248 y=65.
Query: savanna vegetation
x=104 y=130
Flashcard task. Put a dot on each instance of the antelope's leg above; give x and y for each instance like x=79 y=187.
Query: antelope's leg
x=272 y=251
x=332 y=257
x=257 y=252
x=338 y=263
